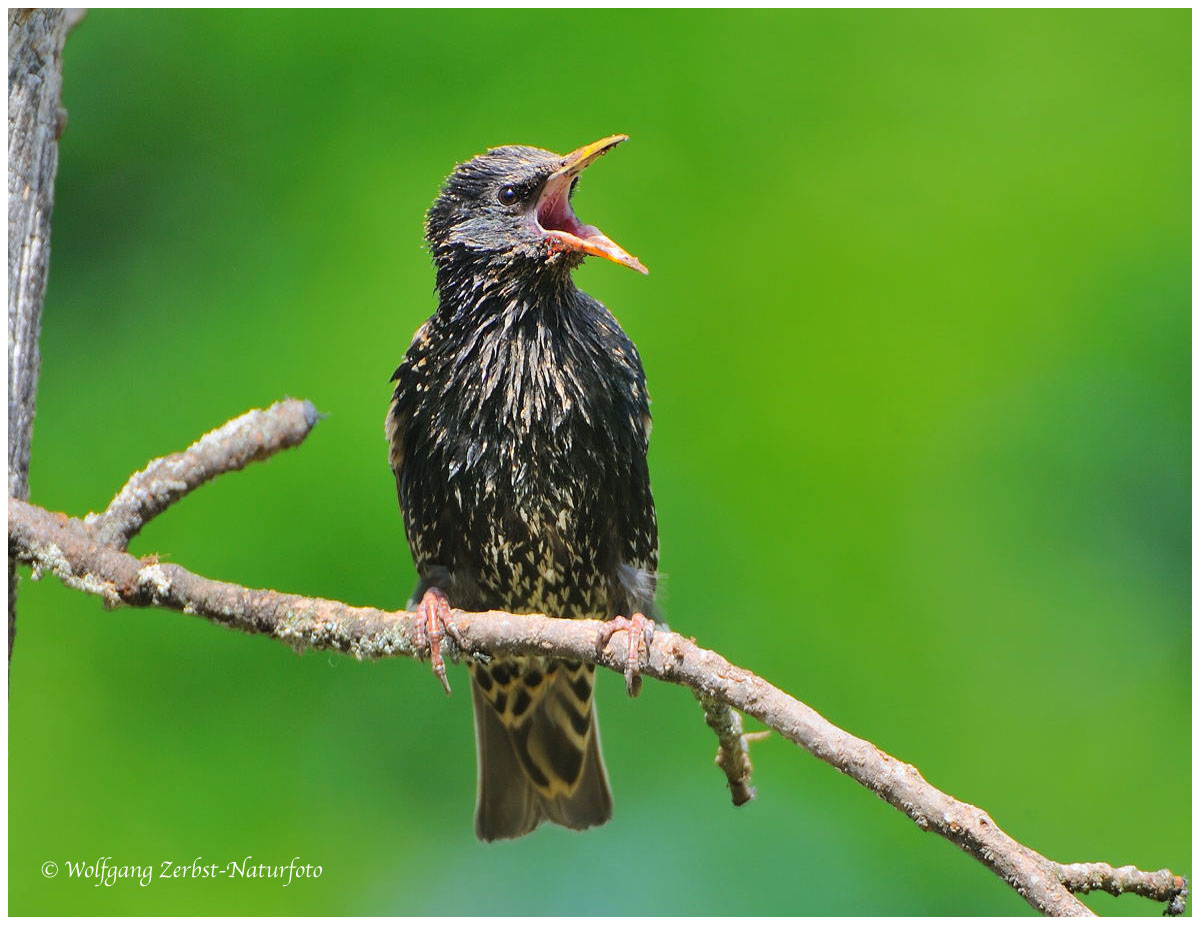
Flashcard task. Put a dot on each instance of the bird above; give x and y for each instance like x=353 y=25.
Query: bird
x=518 y=431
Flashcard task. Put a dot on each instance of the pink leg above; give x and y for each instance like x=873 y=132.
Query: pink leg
x=638 y=629
x=433 y=623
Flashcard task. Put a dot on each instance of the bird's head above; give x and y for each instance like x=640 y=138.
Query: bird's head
x=510 y=210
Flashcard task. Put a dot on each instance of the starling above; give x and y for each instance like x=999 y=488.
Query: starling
x=518 y=433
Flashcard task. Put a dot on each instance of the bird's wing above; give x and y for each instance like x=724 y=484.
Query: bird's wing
x=394 y=426
x=638 y=570
x=403 y=428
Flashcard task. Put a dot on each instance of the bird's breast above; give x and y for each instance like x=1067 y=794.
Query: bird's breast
x=528 y=435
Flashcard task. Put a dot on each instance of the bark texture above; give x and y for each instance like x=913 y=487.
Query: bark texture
x=35 y=120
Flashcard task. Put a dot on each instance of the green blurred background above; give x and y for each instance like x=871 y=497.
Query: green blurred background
x=917 y=333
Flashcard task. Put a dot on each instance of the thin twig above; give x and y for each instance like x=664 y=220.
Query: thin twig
x=253 y=436
x=733 y=748
x=72 y=550
x=1160 y=885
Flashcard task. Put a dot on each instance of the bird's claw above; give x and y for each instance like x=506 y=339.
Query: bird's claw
x=638 y=629
x=432 y=624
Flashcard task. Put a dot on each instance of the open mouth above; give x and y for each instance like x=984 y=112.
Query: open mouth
x=558 y=219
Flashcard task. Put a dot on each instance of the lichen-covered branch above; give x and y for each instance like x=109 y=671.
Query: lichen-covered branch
x=255 y=435
x=733 y=748
x=74 y=551
x=62 y=545
x=1160 y=885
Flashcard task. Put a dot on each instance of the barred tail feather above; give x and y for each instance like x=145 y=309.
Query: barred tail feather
x=506 y=806
x=591 y=803
x=538 y=748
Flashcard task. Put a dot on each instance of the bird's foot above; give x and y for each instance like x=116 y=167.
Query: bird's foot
x=433 y=624
x=638 y=629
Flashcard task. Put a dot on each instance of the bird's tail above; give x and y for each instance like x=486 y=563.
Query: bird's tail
x=538 y=747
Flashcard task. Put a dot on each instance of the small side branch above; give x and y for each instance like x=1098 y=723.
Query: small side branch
x=733 y=748
x=1160 y=885
x=254 y=436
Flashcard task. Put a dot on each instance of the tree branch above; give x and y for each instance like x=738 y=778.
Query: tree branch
x=246 y=439
x=733 y=750
x=69 y=548
x=35 y=43
x=35 y=120
x=1161 y=885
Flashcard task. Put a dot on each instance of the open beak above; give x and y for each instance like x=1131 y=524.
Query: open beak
x=557 y=218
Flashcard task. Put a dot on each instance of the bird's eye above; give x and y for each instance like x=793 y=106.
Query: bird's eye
x=508 y=195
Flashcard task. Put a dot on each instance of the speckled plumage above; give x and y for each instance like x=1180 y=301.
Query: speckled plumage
x=518 y=433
